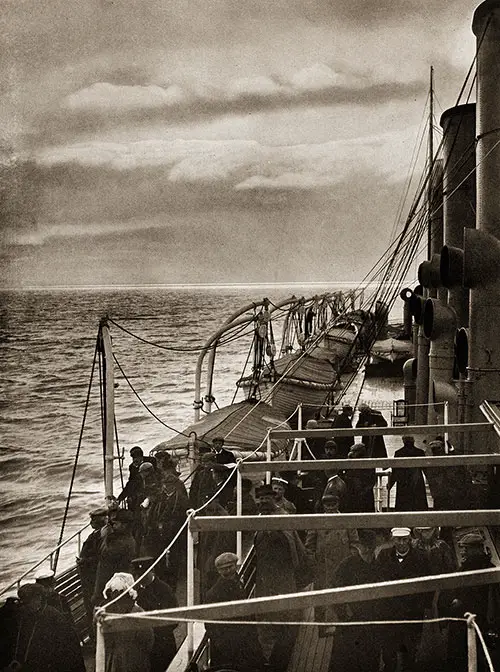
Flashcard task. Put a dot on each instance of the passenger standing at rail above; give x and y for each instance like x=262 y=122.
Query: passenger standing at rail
x=360 y=483
x=126 y=650
x=277 y=559
x=222 y=455
x=410 y=493
x=89 y=558
x=235 y=646
x=402 y=561
x=326 y=550
x=358 y=647
x=210 y=545
x=344 y=421
x=116 y=551
x=482 y=600
x=46 y=579
x=279 y=486
x=202 y=481
x=152 y=594
x=39 y=637
x=132 y=492
x=368 y=417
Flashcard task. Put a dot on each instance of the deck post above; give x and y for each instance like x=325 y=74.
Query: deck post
x=268 y=456
x=239 y=510
x=471 y=644
x=190 y=582
x=100 y=657
x=299 y=426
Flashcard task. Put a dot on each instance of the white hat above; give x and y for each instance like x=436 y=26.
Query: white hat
x=44 y=574
x=400 y=532
x=120 y=582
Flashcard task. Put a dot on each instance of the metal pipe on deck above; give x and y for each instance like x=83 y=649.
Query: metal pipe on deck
x=190 y=581
x=471 y=644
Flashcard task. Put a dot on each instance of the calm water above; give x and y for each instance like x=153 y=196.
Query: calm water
x=48 y=341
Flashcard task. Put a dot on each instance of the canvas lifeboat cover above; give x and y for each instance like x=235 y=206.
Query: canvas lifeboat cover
x=244 y=426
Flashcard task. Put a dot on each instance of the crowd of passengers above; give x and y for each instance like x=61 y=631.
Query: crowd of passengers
x=130 y=533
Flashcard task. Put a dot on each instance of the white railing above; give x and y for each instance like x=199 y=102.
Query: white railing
x=50 y=557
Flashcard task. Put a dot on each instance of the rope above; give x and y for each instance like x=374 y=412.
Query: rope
x=144 y=404
x=155 y=616
x=198 y=348
x=73 y=475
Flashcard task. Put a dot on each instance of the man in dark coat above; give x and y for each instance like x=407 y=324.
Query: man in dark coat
x=39 y=636
x=210 y=545
x=232 y=646
x=344 y=421
x=133 y=490
x=360 y=484
x=358 y=648
x=410 y=494
x=46 y=579
x=403 y=561
x=277 y=559
x=116 y=550
x=483 y=601
x=222 y=455
x=152 y=594
x=202 y=481
x=368 y=417
x=88 y=559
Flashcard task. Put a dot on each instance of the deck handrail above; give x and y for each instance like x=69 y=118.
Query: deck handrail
x=49 y=556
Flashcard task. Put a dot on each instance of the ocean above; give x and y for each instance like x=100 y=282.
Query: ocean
x=48 y=341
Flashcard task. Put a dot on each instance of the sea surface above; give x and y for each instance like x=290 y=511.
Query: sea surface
x=48 y=340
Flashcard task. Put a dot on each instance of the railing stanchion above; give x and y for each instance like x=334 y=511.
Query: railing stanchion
x=268 y=457
x=471 y=644
x=239 y=510
x=190 y=583
x=100 y=656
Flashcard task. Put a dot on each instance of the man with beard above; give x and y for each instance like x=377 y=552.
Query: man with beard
x=232 y=646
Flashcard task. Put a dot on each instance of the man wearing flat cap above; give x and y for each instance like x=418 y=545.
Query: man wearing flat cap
x=152 y=594
x=403 y=561
x=222 y=455
x=232 y=646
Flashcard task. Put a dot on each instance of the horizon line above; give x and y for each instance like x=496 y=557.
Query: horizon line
x=193 y=285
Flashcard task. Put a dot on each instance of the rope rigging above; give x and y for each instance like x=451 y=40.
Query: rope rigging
x=75 y=464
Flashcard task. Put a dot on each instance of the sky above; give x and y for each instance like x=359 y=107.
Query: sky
x=206 y=141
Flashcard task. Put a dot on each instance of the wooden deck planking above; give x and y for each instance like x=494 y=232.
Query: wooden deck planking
x=310 y=652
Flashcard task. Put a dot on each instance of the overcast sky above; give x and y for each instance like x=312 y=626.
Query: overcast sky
x=174 y=141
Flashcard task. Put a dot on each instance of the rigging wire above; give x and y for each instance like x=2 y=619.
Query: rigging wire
x=73 y=475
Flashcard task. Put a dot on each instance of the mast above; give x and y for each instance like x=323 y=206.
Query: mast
x=108 y=388
x=431 y=161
